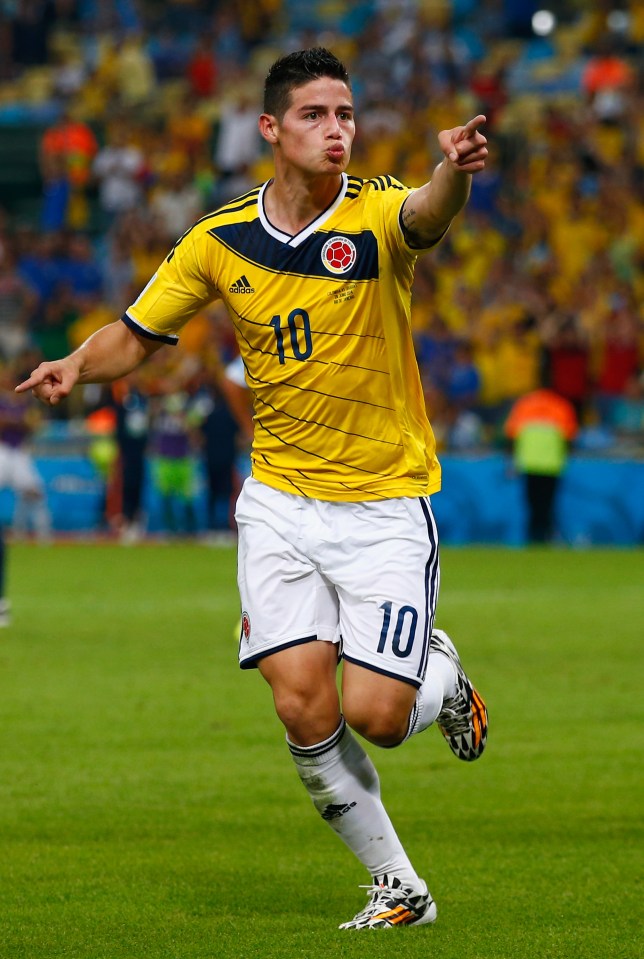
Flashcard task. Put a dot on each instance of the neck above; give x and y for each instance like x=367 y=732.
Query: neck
x=291 y=204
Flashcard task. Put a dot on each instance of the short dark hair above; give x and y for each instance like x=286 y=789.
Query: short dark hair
x=296 y=69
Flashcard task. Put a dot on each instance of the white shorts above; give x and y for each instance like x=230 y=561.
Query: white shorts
x=365 y=575
x=18 y=471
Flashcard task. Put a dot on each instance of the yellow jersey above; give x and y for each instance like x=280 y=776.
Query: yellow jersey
x=322 y=320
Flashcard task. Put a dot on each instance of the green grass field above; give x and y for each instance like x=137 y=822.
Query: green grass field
x=149 y=808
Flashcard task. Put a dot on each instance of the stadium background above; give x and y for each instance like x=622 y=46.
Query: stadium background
x=120 y=123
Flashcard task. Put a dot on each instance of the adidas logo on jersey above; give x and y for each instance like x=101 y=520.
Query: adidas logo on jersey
x=241 y=286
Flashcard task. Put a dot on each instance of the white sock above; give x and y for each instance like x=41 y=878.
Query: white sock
x=343 y=784
x=440 y=684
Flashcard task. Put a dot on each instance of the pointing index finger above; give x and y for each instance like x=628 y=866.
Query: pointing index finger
x=471 y=127
x=36 y=378
x=25 y=385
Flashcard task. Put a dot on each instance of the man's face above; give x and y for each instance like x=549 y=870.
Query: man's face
x=317 y=130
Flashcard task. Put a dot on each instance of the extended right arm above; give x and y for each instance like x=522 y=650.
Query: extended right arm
x=110 y=353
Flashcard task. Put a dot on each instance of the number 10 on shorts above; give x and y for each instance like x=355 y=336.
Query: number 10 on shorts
x=404 y=631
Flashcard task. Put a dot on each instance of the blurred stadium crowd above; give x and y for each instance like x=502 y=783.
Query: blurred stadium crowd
x=137 y=116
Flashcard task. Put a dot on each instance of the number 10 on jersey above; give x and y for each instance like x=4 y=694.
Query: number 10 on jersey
x=301 y=345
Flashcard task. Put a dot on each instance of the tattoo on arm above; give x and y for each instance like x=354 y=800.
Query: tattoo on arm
x=408 y=217
x=409 y=225
x=416 y=235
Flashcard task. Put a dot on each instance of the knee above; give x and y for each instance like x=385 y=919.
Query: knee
x=309 y=716
x=305 y=693
x=381 y=726
x=293 y=706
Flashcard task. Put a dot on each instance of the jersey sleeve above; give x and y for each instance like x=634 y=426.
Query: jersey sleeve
x=384 y=208
x=179 y=289
x=393 y=195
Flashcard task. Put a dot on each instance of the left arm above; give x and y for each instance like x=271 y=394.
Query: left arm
x=428 y=211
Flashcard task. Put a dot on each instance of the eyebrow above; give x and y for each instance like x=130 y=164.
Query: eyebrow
x=320 y=107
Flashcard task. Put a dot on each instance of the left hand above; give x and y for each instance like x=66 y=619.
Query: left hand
x=465 y=147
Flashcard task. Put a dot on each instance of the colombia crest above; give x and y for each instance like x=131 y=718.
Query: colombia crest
x=339 y=254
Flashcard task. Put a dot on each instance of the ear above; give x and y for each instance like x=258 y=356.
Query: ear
x=268 y=127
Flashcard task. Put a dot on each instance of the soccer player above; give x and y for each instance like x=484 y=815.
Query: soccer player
x=338 y=549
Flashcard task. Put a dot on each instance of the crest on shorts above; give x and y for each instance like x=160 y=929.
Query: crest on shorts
x=245 y=625
x=339 y=254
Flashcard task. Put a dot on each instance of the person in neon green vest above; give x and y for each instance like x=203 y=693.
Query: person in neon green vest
x=541 y=425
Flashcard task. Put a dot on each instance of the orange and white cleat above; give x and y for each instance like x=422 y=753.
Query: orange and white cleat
x=392 y=905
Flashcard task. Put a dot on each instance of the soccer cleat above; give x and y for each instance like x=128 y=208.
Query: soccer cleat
x=392 y=905
x=463 y=718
